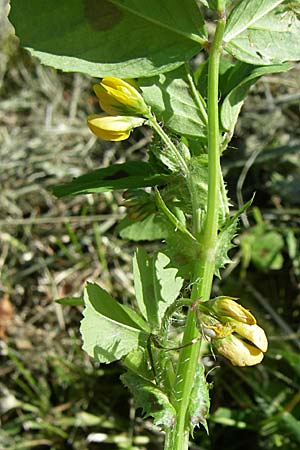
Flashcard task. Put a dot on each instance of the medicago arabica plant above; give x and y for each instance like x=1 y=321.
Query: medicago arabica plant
x=141 y=52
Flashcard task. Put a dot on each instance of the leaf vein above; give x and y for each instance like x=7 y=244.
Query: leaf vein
x=192 y=36
x=229 y=37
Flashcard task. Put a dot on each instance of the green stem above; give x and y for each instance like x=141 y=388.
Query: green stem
x=214 y=168
x=177 y=439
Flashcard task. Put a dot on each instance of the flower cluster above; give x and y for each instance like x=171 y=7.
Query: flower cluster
x=124 y=109
x=234 y=332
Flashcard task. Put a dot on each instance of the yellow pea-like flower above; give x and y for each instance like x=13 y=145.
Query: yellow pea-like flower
x=245 y=347
x=233 y=331
x=228 y=306
x=253 y=334
x=118 y=97
x=113 y=128
x=239 y=352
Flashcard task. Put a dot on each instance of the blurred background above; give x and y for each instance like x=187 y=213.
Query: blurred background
x=52 y=396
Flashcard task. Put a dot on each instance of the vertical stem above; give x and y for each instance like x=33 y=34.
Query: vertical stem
x=177 y=439
x=214 y=168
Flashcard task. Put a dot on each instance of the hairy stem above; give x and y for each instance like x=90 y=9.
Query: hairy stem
x=177 y=439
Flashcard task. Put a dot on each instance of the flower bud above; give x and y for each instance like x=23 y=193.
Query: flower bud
x=118 y=97
x=239 y=352
x=113 y=128
x=227 y=306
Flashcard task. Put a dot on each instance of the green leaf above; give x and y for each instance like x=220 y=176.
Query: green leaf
x=151 y=399
x=156 y=285
x=291 y=425
x=233 y=102
x=165 y=154
x=110 y=330
x=231 y=74
x=199 y=400
x=128 y=175
x=137 y=362
x=70 y=301
x=183 y=252
x=198 y=166
x=224 y=244
x=154 y=227
x=124 y=38
x=229 y=417
x=263 y=32
x=199 y=173
x=170 y=98
x=266 y=248
x=224 y=239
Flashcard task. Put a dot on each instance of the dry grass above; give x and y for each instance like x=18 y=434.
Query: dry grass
x=48 y=249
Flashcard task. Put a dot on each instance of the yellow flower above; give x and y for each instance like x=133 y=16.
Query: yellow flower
x=241 y=352
x=253 y=334
x=117 y=97
x=113 y=128
x=227 y=306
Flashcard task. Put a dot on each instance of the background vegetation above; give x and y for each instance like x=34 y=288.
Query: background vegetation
x=52 y=395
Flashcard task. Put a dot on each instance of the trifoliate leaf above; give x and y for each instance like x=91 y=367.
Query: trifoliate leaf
x=151 y=399
x=110 y=330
